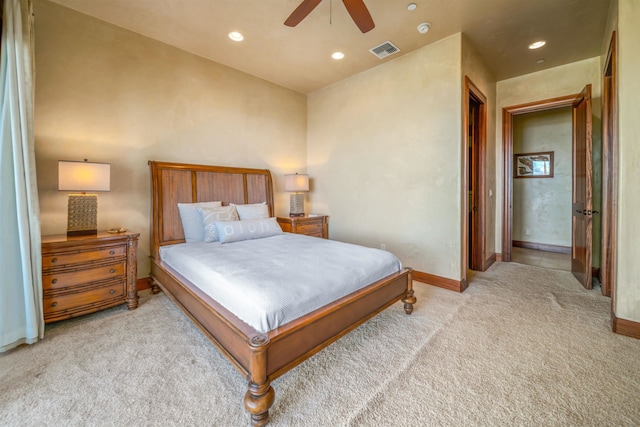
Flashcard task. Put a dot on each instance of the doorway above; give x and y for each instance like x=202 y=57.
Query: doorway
x=507 y=137
x=581 y=191
x=541 y=189
x=474 y=153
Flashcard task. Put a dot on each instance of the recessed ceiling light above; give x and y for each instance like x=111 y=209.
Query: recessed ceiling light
x=424 y=27
x=537 y=45
x=337 y=55
x=412 y=6
x=540 y=61
x=236 y=36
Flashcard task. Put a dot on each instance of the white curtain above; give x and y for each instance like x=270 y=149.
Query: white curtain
x=21 y=319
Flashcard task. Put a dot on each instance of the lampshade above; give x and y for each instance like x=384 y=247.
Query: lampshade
x=83 y=176
x=296 y=182
x=82 y=215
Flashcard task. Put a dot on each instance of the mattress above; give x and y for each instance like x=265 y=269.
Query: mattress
x=271 y=281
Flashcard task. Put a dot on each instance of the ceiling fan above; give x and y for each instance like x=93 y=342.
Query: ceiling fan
x=356 y=8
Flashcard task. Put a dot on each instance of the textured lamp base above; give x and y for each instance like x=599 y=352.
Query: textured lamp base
x=82 y=214
x=296 y=204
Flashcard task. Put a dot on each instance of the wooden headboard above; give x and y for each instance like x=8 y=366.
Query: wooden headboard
x=173 y=183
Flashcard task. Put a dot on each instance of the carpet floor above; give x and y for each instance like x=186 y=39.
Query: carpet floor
x=521 y=346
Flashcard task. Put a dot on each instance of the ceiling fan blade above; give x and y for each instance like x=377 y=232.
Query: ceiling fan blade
x=360 y=14
x=301 y=12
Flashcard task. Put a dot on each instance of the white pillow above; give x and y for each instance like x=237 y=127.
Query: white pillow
x=235 y=231
x=211 y=215
x=192 y=221
x=252 y=211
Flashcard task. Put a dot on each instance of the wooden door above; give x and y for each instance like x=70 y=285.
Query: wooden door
x=609 y=171
x=474 y=140
x=582 y=213
x=475 y=250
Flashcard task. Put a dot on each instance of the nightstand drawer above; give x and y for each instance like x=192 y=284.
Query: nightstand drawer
x=314 y=226
x=57 y=280
x=313 y=229
x=62 y=258
x=55 y=304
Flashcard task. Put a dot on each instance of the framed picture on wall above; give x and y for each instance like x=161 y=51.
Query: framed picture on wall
x=533 y=165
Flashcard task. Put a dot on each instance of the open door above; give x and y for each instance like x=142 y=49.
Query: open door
x=582 y=213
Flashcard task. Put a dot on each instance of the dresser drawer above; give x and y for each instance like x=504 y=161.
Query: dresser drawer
x=64 y=279
x=312 y=229
x=78 y=301
x=66 y=258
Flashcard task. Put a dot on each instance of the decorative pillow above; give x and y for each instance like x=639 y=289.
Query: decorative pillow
x=234 y=231
x=192 y=220
x=211 y=215
x=252 y=211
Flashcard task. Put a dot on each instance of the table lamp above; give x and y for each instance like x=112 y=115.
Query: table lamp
x=82 y=215
x=297 y=183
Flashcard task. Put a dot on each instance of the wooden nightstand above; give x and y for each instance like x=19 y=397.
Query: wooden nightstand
x=83 y=274
x=316 y=226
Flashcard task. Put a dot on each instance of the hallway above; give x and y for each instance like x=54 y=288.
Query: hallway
x=552 y=260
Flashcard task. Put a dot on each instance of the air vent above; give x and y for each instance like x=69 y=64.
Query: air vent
x=384 y=50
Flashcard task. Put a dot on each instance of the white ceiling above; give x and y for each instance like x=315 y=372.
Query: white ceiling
x=299 y=58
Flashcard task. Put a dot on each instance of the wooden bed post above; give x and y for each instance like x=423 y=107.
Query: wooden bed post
x=409 y=299
x=260 y=395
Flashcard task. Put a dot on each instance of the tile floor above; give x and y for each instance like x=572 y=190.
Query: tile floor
x=552 y=260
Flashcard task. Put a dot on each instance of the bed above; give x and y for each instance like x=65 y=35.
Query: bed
x=260 y=354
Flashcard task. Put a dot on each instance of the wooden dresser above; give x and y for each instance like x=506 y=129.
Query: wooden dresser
x=316 y=226
x=83 y=274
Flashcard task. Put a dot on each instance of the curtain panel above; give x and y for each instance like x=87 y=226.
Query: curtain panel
x=21 y=318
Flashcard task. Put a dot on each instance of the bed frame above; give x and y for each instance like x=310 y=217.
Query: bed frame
x=259 y=357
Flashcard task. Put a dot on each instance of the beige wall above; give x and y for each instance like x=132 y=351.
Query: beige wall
x=552 y=83
x=110 y=95
x=474 y=67
x=383 y=147
x=542 y=206
x=627 y=296
x=384 y=151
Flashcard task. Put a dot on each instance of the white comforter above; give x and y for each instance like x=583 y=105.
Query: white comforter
x=271 y=281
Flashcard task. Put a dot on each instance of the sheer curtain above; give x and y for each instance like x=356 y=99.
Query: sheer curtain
x=21 y=319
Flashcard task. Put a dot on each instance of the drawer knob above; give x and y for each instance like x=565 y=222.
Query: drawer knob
x=54 y=281
x=112 y=252
x=112 y=291
x=54 y=260
x=112 y=271
x=53 y=304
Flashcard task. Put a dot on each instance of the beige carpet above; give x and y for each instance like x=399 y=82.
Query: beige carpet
x=522 y=346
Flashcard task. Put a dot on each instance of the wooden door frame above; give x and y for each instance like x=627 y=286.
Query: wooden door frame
x=507 y=152
x=478 y=238
x=609 y=214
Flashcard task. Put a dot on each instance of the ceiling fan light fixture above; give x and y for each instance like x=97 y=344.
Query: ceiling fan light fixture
x=424 y=27
x=337 y=55
x=236 y=36
x=537 y=45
